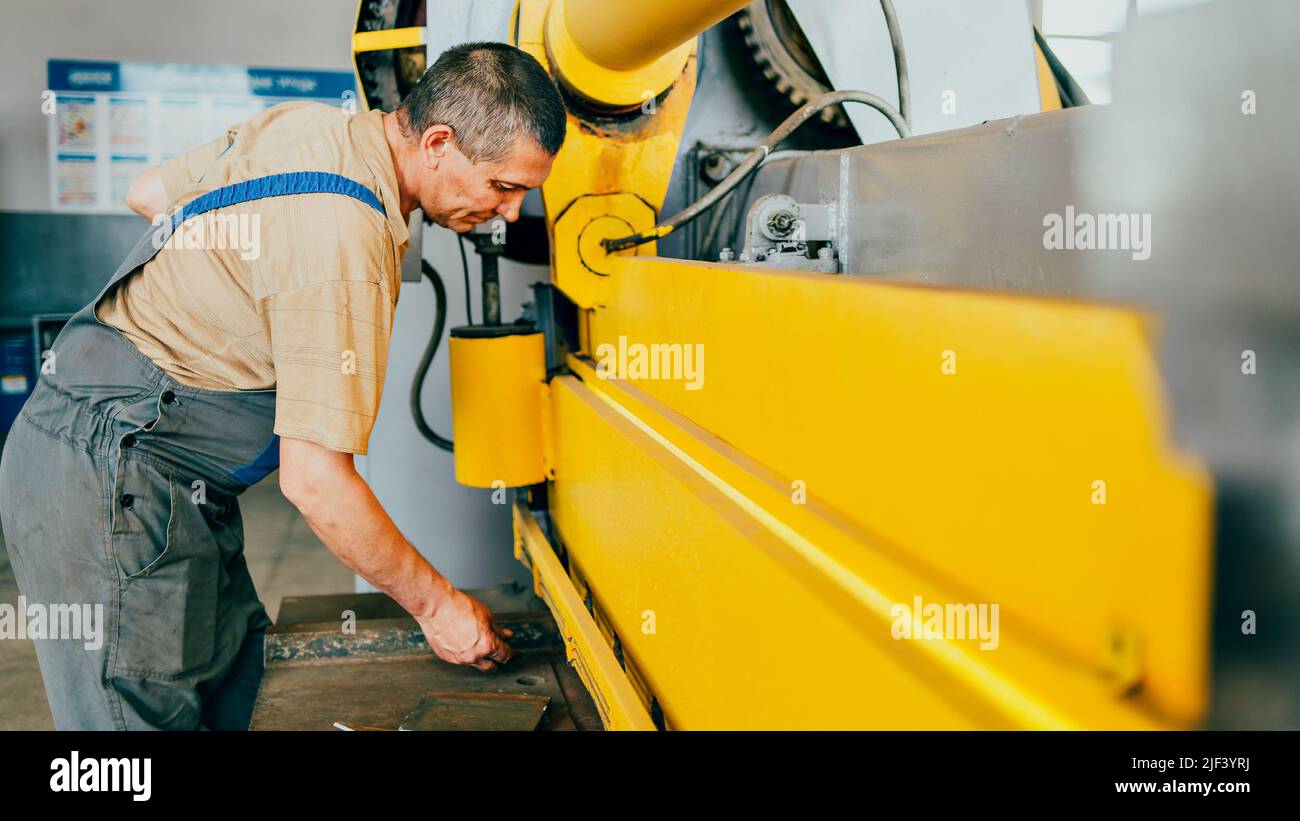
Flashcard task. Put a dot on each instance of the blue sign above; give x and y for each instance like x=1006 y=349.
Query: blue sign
x=77 y=75
x=274 y=82
x=113 y=120
x=191 y=78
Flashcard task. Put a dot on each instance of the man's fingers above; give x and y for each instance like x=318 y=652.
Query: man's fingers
x=497 y=648
x=486 y=665
x=504 y=632
x=502 y=653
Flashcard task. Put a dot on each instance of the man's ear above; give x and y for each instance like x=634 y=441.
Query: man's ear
x=434 y=144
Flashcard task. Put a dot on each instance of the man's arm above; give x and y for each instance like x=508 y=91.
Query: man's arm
x=344 y=513
x=147 y=196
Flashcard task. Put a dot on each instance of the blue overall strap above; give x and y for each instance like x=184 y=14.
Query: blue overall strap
x=265 y=462
x=277 y=185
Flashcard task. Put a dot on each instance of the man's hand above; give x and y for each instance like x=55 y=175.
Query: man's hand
x=341 y=510
x=461 y=631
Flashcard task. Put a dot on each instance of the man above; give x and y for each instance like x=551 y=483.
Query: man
x=176 y=388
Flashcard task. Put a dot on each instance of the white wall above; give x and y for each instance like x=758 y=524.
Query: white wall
x=266 y=33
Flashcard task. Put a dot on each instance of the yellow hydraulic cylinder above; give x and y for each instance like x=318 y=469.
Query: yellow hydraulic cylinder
x=618 y=55
x=498 y=375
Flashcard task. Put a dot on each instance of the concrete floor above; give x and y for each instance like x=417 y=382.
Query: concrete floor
x=284 y=557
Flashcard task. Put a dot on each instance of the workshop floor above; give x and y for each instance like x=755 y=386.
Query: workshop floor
x=284 y=556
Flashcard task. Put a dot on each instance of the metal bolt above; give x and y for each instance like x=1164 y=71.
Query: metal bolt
x=781 y=223
x=825 y=252
x=715 y=167
x=726 y=255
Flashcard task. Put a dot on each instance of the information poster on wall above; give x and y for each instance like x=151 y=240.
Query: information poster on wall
x=113 y=120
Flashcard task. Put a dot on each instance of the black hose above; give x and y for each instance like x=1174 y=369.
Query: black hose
x=464 y=266
x=421 y=371
x=755 y=158
x=1067 y=87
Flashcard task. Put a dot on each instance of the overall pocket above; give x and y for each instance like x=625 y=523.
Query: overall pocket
x=168 y=568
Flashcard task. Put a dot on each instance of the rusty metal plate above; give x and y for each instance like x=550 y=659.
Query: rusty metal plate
x=477 y=711
x=383 y=675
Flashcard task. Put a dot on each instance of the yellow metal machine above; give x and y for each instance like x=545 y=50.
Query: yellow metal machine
x=755 y=549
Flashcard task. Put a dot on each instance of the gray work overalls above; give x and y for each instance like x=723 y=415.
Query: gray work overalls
x=118 y=487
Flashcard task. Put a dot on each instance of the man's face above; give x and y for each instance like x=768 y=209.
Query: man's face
x=459 y=194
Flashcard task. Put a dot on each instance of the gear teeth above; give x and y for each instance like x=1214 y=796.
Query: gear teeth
x=761 y=39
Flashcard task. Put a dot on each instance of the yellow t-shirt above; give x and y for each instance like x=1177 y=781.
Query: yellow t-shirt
x=295 y=293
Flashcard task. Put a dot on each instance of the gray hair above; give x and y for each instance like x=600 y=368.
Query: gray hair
x=488 y=94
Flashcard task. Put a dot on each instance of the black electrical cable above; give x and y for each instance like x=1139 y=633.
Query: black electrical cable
x=464 y=266
x=755 y=158
x=1071 y=93
x=422 y=370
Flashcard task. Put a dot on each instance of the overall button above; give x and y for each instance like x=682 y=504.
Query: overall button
x=168 y=397
x=127 y=500
x=128 y=441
